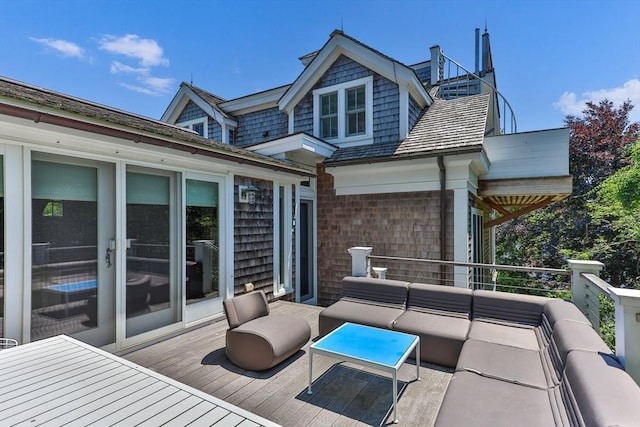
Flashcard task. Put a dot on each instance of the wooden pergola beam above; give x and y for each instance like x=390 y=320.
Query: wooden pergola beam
x=519 y=212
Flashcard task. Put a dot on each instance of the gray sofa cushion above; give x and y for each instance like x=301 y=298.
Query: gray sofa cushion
x=598 y=392
x=514 y=335
x=511 y=364
x=440 y=299
x=245 y=308
x=356 y=312
x=266 y=341
x=508 y=307
x=441 y=336
x=555 y=310
x=473 y=400
x=388 y=293
x=569 y=336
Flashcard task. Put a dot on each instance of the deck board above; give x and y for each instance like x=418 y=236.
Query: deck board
x=89 y=386
x=344 y=394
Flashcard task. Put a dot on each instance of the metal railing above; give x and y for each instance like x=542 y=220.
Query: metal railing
x=455 y=81
x=508 y=278
x=594 y=299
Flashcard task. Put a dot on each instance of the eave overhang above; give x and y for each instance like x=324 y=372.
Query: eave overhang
x=191 y=143
x=301 y=147
x=512 y=198
x=186 y=94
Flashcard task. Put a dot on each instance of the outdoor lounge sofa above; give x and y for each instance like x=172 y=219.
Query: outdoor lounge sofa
x=519 y=359
x=257 y=340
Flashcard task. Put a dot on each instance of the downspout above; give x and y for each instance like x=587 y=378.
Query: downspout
x=443 y=218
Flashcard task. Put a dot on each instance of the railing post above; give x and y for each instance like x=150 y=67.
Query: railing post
x=579 y=293
x=436 y=56
x=360 y=264
x=381 y=272
x=627 y=303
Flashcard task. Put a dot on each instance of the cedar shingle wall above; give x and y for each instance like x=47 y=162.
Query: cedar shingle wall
x=253 y=234
x=394 y=224
x=261 y=126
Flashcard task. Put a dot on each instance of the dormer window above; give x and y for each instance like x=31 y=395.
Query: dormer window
x=199 y=126
x=344 y=113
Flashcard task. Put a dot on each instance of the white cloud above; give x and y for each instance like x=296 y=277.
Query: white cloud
x=146 y=51
x=119 y=67
x=150 y=85
x=569 y=103
x=64 y=47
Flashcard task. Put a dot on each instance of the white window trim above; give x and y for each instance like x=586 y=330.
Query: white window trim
x=342 y=139
x=189 y=124
x=282 y=279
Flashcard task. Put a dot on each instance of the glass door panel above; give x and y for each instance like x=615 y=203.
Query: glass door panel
x=72 y=218
x=306 y=250
x=202 y=242
x=150 y=292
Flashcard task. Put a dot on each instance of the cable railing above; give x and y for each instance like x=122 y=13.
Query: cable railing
x=507 y=278
x=454 y=83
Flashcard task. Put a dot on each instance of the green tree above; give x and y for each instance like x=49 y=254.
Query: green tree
x=568 y=229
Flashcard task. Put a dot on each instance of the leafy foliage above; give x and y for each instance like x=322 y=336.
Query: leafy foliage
x=600 y=220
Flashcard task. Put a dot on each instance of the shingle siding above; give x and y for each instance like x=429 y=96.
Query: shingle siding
x=414 y=112
x=424 y=73
x=303 y=115
x=386 y=111
x=253 y=126
x=190 y=112
x=394 y=224
x=215 y=130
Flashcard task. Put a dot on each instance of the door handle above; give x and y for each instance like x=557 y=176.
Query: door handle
x=110 y=250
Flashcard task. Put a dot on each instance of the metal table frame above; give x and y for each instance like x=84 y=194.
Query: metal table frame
x=345 y=354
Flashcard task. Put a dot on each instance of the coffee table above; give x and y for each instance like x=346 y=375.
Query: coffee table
x=375 y=348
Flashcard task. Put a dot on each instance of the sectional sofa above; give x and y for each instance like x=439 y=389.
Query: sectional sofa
x=518 y=360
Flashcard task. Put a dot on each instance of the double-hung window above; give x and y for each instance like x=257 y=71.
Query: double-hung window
x=329 y=115
x=344 y=112
x=355 y=111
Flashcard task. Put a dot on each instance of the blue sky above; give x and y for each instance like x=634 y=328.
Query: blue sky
x=550 y=56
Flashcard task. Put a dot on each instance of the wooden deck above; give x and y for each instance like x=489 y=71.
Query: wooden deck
x=343 y=394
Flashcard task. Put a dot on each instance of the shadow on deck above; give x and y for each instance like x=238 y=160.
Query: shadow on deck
x=343 y=393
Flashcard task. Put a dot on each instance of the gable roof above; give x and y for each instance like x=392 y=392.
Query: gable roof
x=446 y=127
x=341 y=44
x=42 y=105
x=207 y=102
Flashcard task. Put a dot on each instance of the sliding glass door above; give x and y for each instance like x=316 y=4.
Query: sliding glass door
x=202 y=248
x=151 y=296
x=73 y=227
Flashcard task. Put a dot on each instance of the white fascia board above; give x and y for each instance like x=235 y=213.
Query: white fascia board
x=388 y=177
x=295 y=142
x=184 y=95
x=387 y=68
x=528 y=154
x=255 y=102
x=176 y=106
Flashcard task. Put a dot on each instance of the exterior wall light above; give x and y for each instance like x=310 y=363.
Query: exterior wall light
x=247 y=193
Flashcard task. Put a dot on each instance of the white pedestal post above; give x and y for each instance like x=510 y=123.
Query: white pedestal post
x=360 y=265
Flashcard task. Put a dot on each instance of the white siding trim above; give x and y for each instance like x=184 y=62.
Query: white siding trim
x=404 y=112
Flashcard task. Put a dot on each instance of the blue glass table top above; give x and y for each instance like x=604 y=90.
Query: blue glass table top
x=74 y=287
x=380 y=346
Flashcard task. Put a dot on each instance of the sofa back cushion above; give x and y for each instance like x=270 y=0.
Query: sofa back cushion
x=388 y=293
x=598 y=392
x=569 y=335
x=508 y=307
x=440 y=299
x=244 y=308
